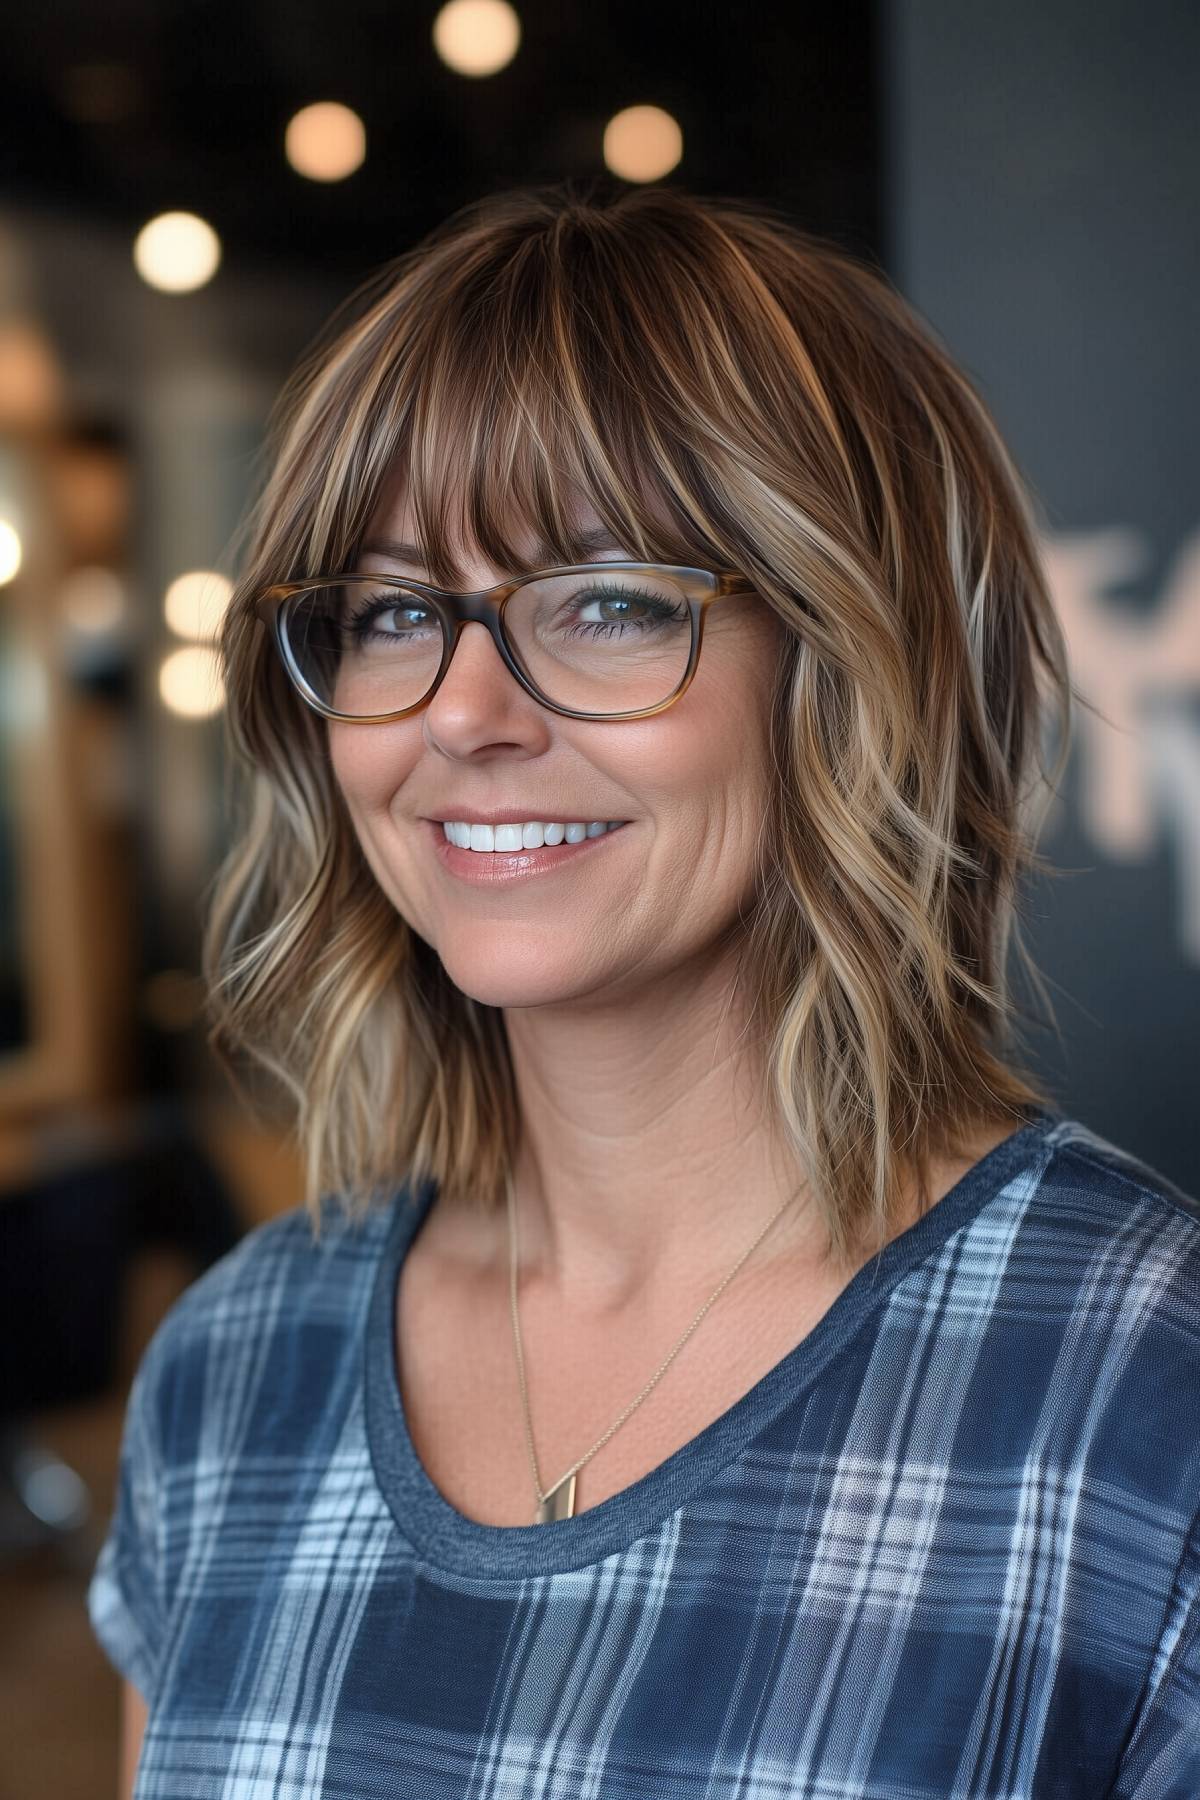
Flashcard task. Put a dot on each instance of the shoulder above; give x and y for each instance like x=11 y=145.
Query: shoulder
x=1093 y=1188
x=1110 y=1166
x=288 y=1258
x=1115 y=1244
x=1097 y=1303
x=1105 y=1235
x=1080 y=1278
x=285 y=1306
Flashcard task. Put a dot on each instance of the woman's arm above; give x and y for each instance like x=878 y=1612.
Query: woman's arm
x=133 y=1724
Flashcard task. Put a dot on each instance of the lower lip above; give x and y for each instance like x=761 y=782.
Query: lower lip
x=486 y=868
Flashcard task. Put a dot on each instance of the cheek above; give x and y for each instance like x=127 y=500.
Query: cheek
x=347 y=762
x=732 y=769
x=369 y=766
x=706 y=774
x=729 y=753
x=370 y=762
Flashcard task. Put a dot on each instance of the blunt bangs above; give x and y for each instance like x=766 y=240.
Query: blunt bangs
x=506 y=393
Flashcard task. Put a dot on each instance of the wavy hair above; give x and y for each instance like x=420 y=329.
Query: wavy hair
x=725 y=390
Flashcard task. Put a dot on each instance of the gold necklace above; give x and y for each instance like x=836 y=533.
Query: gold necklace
x=558 y=1502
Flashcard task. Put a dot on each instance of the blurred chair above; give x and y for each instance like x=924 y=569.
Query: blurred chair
x=69 y=1234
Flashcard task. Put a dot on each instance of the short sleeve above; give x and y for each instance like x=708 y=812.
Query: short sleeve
x=1162 y=1758
x=126 y=1595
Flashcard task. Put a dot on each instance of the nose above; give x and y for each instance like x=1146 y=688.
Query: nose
x=475 y=658
x=479 y=693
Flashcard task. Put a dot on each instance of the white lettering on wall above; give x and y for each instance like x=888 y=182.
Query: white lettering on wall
x=1138 y=765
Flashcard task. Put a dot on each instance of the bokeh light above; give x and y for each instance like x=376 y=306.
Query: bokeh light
x=10 y=551
x=31 y=383
x=189 y=683
x=325 y=141
x=195 y=603
x=642 y=143
x=476 y=37
x=177 y=252
x=92 y=600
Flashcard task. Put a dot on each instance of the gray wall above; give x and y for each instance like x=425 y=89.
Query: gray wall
x=1042 y=163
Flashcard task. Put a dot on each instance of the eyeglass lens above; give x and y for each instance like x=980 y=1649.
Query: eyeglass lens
x=590 y=641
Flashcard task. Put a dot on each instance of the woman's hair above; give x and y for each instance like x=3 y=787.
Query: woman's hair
x=726 y=391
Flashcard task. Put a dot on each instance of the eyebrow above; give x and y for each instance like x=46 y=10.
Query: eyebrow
x=599 y=538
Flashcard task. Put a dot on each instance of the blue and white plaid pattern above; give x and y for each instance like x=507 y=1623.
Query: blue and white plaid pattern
x=949 y=1547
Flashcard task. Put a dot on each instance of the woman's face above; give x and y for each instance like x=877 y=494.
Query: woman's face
x=623 y=910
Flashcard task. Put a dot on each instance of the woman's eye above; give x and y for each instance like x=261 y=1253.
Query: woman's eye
x=388 y=619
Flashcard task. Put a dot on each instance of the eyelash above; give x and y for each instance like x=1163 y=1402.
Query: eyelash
x=660 y=612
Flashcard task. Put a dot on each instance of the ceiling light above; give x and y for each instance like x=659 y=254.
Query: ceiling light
x=476 y=37
x=325 y=141
x=177 y=252
x=642 y=143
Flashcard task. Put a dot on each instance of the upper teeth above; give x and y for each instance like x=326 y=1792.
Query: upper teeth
x=522 y=836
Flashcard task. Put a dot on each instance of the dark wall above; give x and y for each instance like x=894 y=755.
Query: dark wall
x=1043 y=164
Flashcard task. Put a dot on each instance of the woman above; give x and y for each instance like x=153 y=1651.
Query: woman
x=715 y=1367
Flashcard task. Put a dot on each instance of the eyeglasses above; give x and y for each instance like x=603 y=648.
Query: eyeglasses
x=603 y=640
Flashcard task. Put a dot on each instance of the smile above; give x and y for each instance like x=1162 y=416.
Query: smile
x=498 y=855
x=531 y=835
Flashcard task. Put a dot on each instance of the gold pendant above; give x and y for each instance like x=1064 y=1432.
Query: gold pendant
x=558 y=1504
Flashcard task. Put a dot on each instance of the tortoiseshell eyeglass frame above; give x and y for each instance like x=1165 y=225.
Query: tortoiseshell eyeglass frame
x=486 y=607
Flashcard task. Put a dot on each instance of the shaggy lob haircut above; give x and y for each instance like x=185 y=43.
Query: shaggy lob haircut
x=727 y=392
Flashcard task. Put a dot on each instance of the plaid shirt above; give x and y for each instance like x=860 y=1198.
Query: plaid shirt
x=948 y=1546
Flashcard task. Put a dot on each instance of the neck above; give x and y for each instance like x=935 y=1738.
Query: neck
x=646 y=1157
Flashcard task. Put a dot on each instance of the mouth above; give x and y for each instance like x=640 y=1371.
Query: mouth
x=563 y=846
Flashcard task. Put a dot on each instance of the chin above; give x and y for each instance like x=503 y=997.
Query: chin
x=507 y=976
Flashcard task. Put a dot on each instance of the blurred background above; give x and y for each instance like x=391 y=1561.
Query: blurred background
x=187 y=190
